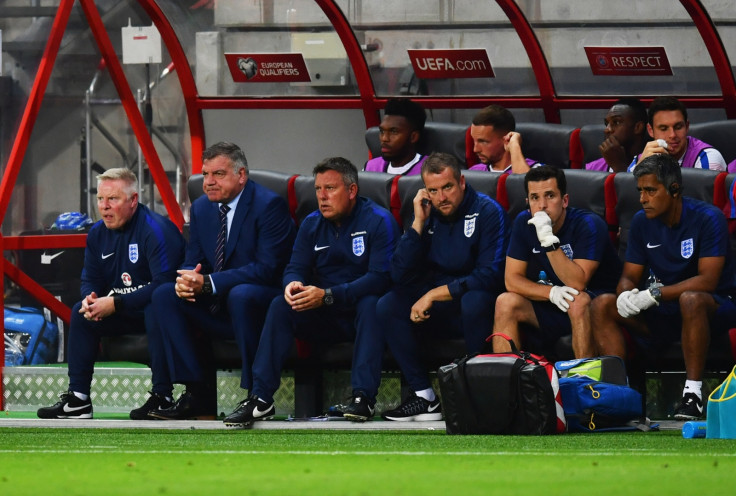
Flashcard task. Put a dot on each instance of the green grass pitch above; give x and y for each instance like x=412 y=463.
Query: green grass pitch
x=39 y=461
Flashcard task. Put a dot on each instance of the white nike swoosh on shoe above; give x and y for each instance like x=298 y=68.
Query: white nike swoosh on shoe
x=257 y=413
x=432 y=408
x=108 y=255
x=70 y=409
x=320 y=248
x=649 y=245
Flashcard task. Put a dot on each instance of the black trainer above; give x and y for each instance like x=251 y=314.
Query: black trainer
x=68 y=407
x=248 y=411
x=359 y=409
x=155 y=402
x=415 y=409
x=187 y=407
x=691 y=407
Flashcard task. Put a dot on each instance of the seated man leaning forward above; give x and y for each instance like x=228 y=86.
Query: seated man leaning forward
x=129 y=253
x=559 y=259
x=448 y=271
x=338 y=269
x=668 y=126
x=691 y=281
x=240 y=238
x=625 y=136
x=496 y=142
x=399 y=133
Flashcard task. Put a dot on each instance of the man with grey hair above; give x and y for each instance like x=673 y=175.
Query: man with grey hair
x=678 y=280
x=240 y=238
x=338 y=269
x=129 y=253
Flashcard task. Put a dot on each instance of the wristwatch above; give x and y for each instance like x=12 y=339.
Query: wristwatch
x=328 y=299
x=656 y=294
x=552 y=247
x=206 y=284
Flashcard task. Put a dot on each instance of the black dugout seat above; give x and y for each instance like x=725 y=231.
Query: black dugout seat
x=591 y=137
x=721 y=135
x=443 y=137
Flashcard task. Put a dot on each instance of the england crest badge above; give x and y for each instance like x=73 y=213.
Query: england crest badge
x=686 y=248
x=358 y=246
x=133 y=252
x=469 y=226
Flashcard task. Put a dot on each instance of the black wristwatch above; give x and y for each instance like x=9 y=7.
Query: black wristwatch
x=206 y=284
x=328 y=299
x=656 y=294
x=552 y=247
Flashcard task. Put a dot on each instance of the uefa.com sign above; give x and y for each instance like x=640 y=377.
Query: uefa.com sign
x=446 y=64
x=628 y=61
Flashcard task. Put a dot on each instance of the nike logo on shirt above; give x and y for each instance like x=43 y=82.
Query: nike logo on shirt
x=534 y=250
x=108 y=255
x=320 y=248
x=649 y=245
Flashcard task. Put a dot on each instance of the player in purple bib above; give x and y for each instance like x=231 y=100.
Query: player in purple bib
x=626 y=135
x=399 y=132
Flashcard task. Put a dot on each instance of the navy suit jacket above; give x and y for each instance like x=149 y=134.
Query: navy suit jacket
x=259 y=242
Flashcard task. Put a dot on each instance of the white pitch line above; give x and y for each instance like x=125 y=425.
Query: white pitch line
x=652 y=453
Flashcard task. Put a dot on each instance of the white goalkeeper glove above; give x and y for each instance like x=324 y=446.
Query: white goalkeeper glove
x=543 y=224
x=560 y=295
x=630 y=303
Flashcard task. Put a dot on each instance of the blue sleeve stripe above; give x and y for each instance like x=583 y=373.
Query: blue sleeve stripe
x=703 y=157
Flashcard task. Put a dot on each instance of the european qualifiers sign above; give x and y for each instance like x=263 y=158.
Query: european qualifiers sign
x=628 y=61
x=451 y=63
x=267 y=67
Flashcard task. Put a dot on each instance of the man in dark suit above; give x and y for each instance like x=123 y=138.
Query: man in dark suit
x=240 y=239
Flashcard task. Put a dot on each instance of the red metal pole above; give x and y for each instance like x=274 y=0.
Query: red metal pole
x=131 y=110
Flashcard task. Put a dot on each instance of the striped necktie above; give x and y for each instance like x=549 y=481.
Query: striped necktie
x=221 y=239
x=220 y=251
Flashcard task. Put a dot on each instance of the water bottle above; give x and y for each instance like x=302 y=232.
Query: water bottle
x=13 y=354
x=693 y=429
x=543 y=279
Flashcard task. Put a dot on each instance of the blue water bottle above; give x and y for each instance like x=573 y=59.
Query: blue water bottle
x=693 y=429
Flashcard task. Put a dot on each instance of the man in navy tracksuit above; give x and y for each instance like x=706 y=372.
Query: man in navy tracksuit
x=448 y=270
x=339 y=267
x=240 y=238
x=129 y=253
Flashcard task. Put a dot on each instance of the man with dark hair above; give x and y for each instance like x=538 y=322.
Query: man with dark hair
x=240 y=238
x=679 y=248
x=447 y=271
x=626 y=135
x=338 y=269
x=399 y=133
x=129 y=253
x=559 y=259
x=497 y=143
x=668 y=125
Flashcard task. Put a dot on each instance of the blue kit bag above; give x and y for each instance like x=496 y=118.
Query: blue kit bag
x=30 y=336
x=593 y=405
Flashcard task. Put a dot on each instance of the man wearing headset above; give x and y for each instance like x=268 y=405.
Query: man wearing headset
x=691 y=283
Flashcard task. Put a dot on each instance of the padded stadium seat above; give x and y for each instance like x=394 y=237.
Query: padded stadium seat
x=697 y=183
x=407 y=190
x=591 y=137
x=587 y=190
x=483 y=182
x=719 y=134
x=546 y=143
x=194 y=186
x=278 y=182
x=554 y=144
x=444 y=137
x=377 y=187
x=306 y=200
